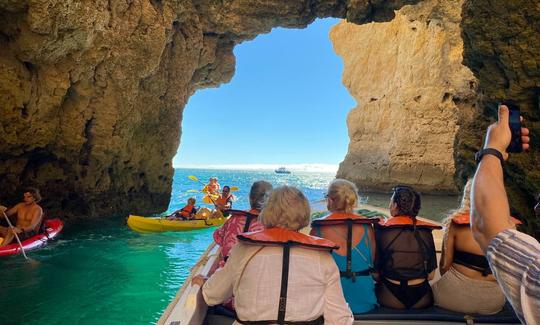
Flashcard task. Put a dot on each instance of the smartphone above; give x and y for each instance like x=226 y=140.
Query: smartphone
x=515 y=126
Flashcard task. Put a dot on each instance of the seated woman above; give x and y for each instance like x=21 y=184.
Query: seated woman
x=406 y=257
x=355 y=237
x=243 y=222
x=280 y=275
x=466 y=285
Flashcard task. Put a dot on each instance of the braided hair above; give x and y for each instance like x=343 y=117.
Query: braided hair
x=407 y=200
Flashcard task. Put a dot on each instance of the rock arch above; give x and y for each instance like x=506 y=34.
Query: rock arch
x=92 y=92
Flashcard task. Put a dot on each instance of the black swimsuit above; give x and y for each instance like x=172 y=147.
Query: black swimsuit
x=472 y=261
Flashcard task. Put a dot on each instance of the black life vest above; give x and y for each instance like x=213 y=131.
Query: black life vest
x=348 y=219
x=286 y=239
x=405 y=247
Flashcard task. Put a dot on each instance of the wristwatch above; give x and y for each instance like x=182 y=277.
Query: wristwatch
x=488 y=151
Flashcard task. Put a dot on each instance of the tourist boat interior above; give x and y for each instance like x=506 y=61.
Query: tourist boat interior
x=188 y=307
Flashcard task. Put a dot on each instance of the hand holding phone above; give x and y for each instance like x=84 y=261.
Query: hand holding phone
x=514 y=122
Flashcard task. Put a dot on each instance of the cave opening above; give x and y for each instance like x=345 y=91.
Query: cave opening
x=286 y=105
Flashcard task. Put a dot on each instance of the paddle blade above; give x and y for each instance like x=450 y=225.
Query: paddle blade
x=192 y=191
x=193 y=178
x=234 y=188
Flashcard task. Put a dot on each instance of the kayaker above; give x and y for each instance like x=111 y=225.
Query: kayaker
x=242 y=222
x=279 y=275
x=186 y=213
x=212 y=187
x=224 y=201
x=29 y=216
x=355 y=237
x=467 y=284
x=406 y=257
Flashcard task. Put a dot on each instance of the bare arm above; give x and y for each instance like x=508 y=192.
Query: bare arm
x=447 y=255
x=13 y=210
x=489 y=204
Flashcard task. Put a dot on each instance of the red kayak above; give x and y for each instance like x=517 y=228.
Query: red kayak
x=52 y=229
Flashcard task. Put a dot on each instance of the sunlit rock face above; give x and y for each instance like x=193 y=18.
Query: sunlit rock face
x=502 y=48
x=92 y=92
x=413 y=95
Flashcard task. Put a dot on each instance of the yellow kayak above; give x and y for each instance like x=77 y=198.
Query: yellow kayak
x=146 y=225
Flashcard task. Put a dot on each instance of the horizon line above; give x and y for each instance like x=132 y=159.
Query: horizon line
x=307 y=167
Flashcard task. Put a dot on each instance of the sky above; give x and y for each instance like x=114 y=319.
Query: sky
x=285 y=106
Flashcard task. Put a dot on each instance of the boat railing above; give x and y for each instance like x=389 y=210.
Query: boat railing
x=188 y=307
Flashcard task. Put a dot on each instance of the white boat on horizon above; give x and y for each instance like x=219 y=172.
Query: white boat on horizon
x=282 y=170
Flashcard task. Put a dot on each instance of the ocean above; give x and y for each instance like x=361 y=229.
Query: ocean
x=104 y=273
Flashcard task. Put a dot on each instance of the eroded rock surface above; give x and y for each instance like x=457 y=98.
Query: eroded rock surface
x=413 y=95
x=502 y=48
x=92 y=92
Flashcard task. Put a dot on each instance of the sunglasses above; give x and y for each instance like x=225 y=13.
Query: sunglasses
x=399 y=188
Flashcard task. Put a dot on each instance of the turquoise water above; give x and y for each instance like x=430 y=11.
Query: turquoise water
x=106 y=274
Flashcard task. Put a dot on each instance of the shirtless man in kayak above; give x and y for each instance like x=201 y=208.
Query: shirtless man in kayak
x=29 y=216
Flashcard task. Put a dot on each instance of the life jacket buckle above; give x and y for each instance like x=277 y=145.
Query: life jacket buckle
x=282 y=304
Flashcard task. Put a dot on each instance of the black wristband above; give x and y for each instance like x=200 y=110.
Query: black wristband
x=488 y=151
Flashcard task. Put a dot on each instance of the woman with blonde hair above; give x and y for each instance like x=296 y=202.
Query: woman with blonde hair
x=355 y=237
x=279 y=275
x=467 y=284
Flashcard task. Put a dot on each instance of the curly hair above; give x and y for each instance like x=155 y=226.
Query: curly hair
x=287 y=207
x=407 y=200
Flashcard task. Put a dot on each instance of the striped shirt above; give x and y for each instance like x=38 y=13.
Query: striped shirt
x=514 y=258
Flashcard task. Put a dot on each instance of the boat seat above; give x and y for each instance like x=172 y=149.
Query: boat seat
x=506 y=316
x=219 y=315
x=223 y=316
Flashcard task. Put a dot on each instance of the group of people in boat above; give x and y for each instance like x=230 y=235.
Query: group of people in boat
x=28 y=216
x=350 y=264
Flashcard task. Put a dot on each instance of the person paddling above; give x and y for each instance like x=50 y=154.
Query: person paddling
x=224 y=201
x=29 y=216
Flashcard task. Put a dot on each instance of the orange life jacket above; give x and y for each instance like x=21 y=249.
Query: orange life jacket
x=465 y=219
x=405 y=248
x=286 y=239
x=400 y=221
x=283 y=237
x=342 y=218
x=223 y=200
x=187 y=210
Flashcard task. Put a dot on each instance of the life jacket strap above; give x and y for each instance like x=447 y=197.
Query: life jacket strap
x=317 y=321
x=284 y=284
x=249 y=219
x=353 y=275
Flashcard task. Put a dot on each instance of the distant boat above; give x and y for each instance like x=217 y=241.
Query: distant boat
x=282 y=170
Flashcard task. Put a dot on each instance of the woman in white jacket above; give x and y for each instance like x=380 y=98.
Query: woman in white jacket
x=279 y=275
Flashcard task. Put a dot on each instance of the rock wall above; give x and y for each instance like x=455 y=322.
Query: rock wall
x=92 y=92
x=413 y=95
x=502 y=48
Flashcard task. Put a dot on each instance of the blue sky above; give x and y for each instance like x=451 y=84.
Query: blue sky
x=285 y=105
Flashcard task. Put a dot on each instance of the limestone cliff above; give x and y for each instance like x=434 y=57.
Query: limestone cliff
x=502 y=48
x=92 y=92
x=413 y=95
